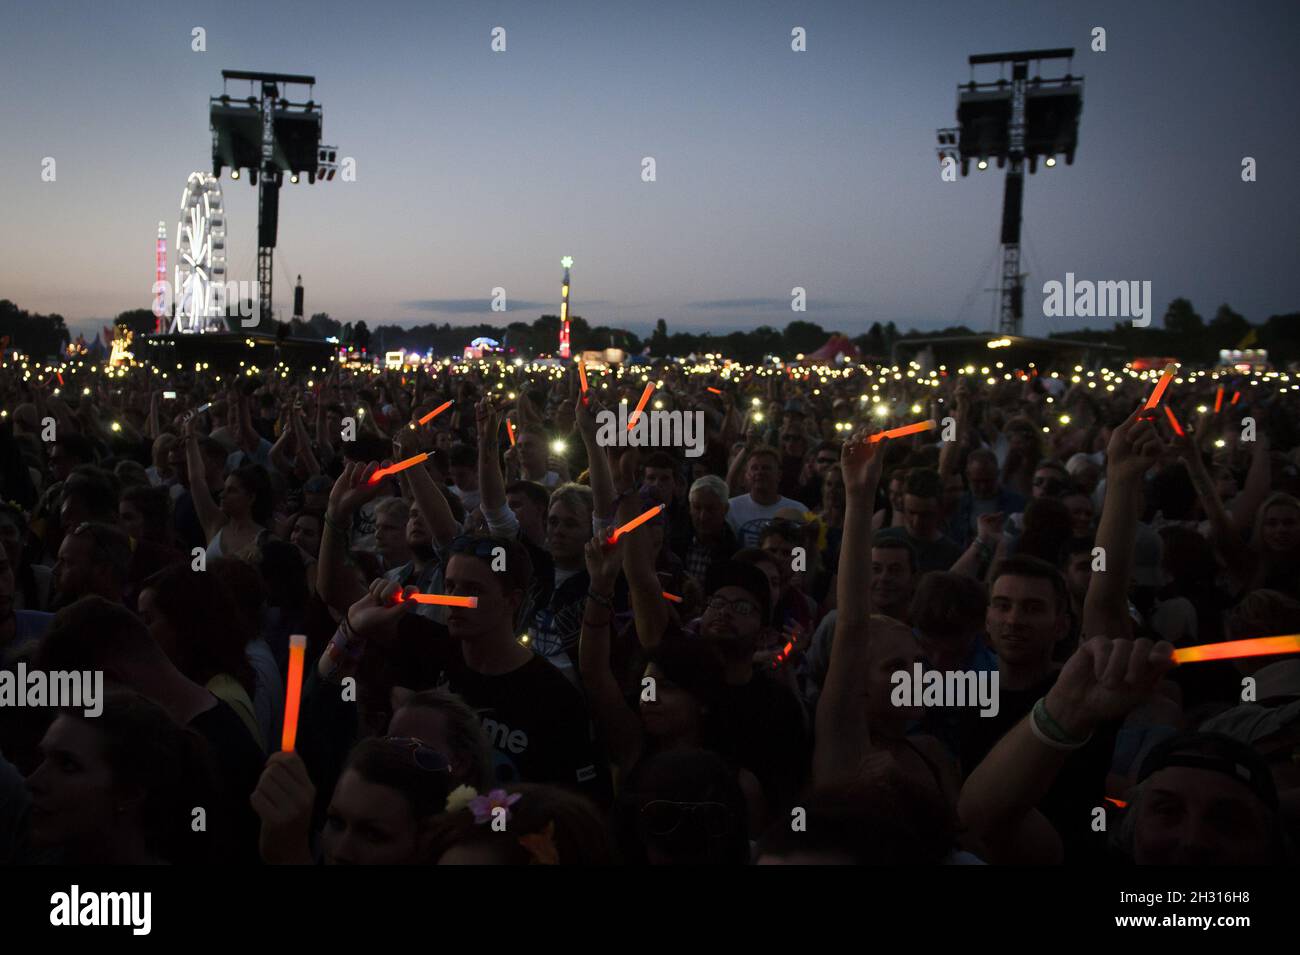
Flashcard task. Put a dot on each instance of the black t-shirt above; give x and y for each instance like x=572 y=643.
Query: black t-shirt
x=1080 y=786
x=238 y=762
x=535 y=719
x=760 y=725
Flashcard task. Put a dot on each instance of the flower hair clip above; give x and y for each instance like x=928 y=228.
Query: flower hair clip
x=484 y=807
x=460 y=798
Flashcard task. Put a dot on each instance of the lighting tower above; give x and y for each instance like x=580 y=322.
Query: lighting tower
x=269 y=137
x=567 y=262
x=160 y=278
x=1017 y=121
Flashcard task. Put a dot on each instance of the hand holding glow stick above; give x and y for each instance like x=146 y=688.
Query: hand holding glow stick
x=293 y=692
x=398 y=467
x=640 y=405
x=633 y=524
x=1165 y=378
x=904 y=431
x=435 y=412
x=1236 y=649
x=437 y=600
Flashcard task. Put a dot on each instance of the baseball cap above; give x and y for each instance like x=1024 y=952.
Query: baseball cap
x=1216 y=753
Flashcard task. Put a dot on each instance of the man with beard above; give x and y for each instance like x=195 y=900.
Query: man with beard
x=760 y=724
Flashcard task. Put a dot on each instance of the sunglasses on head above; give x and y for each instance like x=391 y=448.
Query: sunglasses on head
x=481 y=547
x=419 y=753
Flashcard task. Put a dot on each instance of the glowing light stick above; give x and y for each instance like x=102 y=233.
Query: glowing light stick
x=399 y=466
x=582 y=377
x=439 y=600
x=1235 y=649
x=905 y=430
x=293 y=691
x=1236 y=396
x=435 y=412
x=1165 y=378
x=1169 y=413
x=510 y=430
x=634 y=523
x=640 y=405
x=714 y=390
x=673 y=598
x=1218 y=399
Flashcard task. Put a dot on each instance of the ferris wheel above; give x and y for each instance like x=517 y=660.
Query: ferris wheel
x=200 y=284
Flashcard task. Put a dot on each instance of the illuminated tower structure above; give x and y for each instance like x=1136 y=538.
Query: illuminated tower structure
x=160 y=278
x=567 y=262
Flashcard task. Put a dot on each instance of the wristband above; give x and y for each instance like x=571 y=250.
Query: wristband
x=605 y=602
x=334 y=525
x=1049 y=732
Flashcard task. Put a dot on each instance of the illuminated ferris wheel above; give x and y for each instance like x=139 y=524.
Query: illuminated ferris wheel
x=200 y=284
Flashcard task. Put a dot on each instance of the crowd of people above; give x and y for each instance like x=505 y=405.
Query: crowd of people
x=717 y=686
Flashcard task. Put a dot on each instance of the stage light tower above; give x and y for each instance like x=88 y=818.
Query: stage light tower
x=1019 y=122
x=269 y=137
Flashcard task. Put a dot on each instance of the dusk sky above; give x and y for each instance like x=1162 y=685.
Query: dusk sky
x=774 y=168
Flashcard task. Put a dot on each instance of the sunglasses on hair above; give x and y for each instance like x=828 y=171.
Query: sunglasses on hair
x=480 y=547
x=663 y=817
x=421 y=756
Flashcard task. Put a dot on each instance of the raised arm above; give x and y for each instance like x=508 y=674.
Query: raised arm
x=336 y=587
x=598 y=470
x=842 y=729
x=1103 y=681
x=430 y=500
x=491 y=483
x=618 y=726
x=1133 y=448
x=209 y=514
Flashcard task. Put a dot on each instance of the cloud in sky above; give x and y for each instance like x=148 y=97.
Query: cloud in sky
x=769 y=304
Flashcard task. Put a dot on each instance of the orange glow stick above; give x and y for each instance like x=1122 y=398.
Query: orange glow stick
x=435 y=412
x=441 y=600
x=1233 y=649
x=905 y=430
x=293 y=692
x=1218 y=399
x=582 y=375
x=634 y=523
x=399 y=466
x=1169 y=413
x=672 y=597
x=640 y=405
x=1166 y=377
x=510 y=430
x=716 y=391
x=1236 y=396
x=1118 y=802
